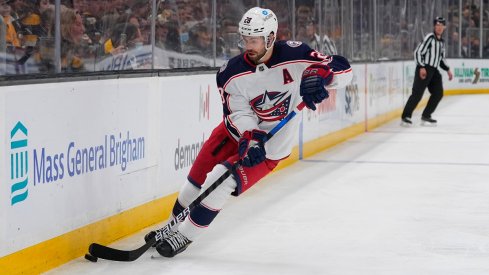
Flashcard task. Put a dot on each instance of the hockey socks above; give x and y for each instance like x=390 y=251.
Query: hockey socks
x=201 y=216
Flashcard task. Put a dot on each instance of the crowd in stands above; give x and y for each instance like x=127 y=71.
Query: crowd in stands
x=92 y=30
x=469 y=32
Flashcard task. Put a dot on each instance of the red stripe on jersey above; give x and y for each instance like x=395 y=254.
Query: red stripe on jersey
x=232 y=125
x=233 y=77
x=227 y=103
x=343 y=72
x=295 y=61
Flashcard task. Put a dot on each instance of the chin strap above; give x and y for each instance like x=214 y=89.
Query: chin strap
x=270 y=48
x=262 y=60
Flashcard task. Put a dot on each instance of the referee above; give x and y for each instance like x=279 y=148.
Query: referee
x=429 y=55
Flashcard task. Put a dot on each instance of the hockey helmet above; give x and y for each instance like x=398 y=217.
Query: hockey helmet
x=440 y=20
x=259 y=22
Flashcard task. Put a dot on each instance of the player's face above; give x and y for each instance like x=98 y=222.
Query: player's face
x=254 y=46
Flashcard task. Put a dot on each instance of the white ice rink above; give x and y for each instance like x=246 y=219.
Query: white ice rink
x=392 y=201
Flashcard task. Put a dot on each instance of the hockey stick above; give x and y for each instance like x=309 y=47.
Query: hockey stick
x=108 y=253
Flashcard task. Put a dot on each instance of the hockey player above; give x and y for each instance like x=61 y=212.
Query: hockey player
x=258 y=88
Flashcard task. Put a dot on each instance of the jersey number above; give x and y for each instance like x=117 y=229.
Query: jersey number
x=223 y=97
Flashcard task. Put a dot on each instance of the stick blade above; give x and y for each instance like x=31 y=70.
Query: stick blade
x=112 y=254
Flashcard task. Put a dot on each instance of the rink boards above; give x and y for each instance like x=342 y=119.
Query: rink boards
x=93 y=161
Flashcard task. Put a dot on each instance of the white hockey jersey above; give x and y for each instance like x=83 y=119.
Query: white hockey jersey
x=259 y=96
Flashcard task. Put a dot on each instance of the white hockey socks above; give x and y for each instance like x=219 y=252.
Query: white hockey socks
x=188 y=194
x=202 y=215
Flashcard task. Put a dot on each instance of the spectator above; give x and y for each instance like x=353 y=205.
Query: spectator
x=45 y=58
x=69 y=3
x=167 y=36
x=310 y=36
x=185 y=21
x=284 y=34
x=112 y=11
x=406 y=50
x=134 y=21
x=123 y=37
x=43 y=54
x=92 y=22
x=44 y=5
x=453 y=49
x=474 y=47
x=303 y=16
x=95 y=9
x=166 y=15
x=229 y=38
x=72 y=31
x=465 y=18
x=30 y=21
x=465 y=47
x=11 y=37
x=3 y=36
x=185 y=14
x=229 y=10
x=485 y=52
x=199 y=41
x=141 y=10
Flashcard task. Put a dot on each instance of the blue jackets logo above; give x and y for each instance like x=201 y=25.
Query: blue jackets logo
x=19 y=167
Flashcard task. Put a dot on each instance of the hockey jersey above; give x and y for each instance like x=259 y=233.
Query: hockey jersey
x=259 y=96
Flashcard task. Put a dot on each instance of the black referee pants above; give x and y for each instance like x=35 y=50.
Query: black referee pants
x=433 y=81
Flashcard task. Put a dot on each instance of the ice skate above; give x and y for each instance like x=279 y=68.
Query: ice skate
x=406 y=122
x=428 y=121
x=174 y=244
x=150 y=235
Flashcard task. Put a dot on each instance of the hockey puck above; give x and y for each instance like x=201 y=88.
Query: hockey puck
x=91 y=258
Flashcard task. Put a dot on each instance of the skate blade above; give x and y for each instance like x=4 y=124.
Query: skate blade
x=428 y=124
x=405 y=124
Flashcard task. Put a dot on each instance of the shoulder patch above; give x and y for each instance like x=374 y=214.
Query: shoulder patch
x=223 y=67
x=294 y=44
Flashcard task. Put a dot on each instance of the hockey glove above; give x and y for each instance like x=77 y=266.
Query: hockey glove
x=252 y=148
x=315 y=78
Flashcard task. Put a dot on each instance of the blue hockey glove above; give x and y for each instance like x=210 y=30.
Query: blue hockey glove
x=315 y=78
x=252 y=147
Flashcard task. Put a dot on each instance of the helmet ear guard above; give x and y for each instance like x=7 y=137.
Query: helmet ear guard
x=270 y=40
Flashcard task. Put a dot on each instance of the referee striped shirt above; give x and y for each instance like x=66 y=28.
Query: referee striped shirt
x=431 y=52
